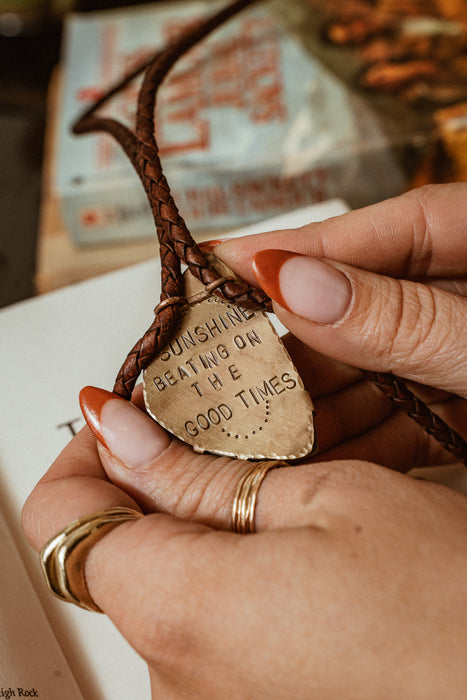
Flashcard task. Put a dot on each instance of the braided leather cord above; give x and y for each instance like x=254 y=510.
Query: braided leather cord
x=175 y=241
x=177 y=245
x=435 y=426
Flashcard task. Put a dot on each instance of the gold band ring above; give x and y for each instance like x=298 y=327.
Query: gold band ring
x=64 y=556
x=244 y=505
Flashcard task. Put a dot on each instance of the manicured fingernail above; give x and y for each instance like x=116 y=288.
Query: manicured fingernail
x=208 y=246
x=128 y=433
x=307 y=287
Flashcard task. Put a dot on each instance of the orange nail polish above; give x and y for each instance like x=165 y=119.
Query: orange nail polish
x=266 y=266
x=92 y=400
x=128 y=433
x=208 y=246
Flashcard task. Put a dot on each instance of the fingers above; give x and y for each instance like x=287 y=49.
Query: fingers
x=151 y=471
x=397 y=443
x=75 y=485
x=321 y=375
x=455 y=286
x=161 y=473
x=421 y=233
x=202 y=488
x=345 y=414
x=353 y=422
x=175 y=480
x=370 y=321
x=191 y=600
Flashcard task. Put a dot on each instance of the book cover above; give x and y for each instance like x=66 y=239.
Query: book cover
x=249 y=124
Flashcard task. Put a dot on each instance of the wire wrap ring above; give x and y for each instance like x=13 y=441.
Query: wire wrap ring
x=64 y=556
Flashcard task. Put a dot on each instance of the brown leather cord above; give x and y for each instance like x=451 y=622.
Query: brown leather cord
x=175 y=242
x=404 y=398
x=177 y=245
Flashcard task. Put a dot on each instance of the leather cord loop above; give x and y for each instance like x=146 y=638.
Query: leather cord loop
x=177 y=245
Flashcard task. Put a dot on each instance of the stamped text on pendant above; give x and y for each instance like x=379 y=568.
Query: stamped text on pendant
x=225 y=384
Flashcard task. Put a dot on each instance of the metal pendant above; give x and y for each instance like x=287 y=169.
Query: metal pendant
x=225 y=384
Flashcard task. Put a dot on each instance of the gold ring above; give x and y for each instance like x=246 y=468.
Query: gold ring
x=64 y=556
x=244 y=505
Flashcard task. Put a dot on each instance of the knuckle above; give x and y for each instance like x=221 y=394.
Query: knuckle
x=412 y=342
x=421 y=250
x=204 y=493
x=428 y=333
x=179 y=480
x=381 y=318
x=409 y=325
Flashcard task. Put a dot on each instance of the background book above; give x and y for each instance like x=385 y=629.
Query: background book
x=249 y=123
x=51 y=347
x=31 y=660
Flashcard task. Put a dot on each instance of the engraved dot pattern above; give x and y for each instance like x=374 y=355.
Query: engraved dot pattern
x=253 y=432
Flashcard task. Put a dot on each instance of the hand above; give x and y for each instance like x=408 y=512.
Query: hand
x=336 y=596
x=396 y=320
x=389 y=297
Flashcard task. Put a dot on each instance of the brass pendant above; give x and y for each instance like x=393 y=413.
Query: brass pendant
x=225 y=384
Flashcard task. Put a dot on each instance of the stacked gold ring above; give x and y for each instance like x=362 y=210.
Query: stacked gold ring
x=64 y=556
x=244 y=505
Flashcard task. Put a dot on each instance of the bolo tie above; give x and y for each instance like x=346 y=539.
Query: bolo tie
x=234 y=307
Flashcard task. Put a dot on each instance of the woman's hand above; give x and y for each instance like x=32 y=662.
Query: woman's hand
x=382 y=288
x=354 y=585
x=375 y=302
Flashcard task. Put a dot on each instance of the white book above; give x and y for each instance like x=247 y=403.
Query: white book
x=31 y=660
x=51 y=347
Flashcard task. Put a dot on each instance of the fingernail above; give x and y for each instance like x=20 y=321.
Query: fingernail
x=208 y=246
x=307 y=287
x=128 y=433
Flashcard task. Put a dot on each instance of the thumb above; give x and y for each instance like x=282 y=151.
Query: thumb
x=368 y=320
x=163 y=474
x=158 y=471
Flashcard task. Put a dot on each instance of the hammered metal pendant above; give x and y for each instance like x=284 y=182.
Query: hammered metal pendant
x=225 y=384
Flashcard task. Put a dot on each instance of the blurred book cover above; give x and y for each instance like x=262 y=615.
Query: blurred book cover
x=288 y=104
